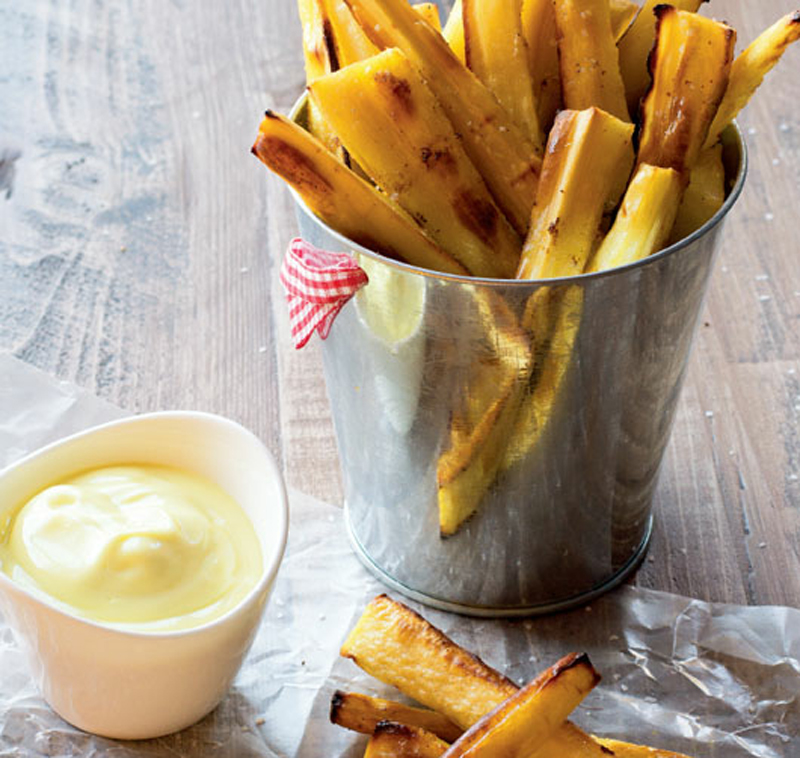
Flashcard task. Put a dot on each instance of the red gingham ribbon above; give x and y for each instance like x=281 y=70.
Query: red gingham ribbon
x=318 y=284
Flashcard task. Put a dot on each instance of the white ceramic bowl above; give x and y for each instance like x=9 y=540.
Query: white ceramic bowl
x=133 y=685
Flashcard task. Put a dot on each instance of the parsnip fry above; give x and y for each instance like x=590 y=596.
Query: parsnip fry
x=645 y=218
x=392 y=740
x=541 y=37
x=553 y=318
x=622 y=12
x=342 y=199
x=566 y=219
x=628 y=750
x=320 y=55
x=454 y=31
x=430 y=12
x=396 y=645
x=589 y=59
x=497 y=53
x=507 y=161
x=571 y=742
x=362 y=713
x=691 y=63
x=524 y=722
x=704 y=195
x=634 y=49
x=392 y=125
x=345 y=34
x=479 y=430
x=750 y=68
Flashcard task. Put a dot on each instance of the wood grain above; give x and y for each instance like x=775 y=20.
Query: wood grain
x=139 y=243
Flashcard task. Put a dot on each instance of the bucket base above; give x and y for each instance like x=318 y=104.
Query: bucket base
x=537 y=609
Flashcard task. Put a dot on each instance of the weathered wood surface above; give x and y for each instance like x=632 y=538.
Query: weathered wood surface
x=139 y=242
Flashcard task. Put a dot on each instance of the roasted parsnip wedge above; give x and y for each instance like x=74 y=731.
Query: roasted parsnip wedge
x=628 y=750
x=569 y=208
x=430 y=12
x=396 y=645
x=704 y=195
x=622 y=12
x=750 y=68
x=644 y=220
x=541 y=38
x=524 y=722
x=589 y=59
x=491 y=397
x=690 y=63
x=362 y=713
x=497 y=53
x=635 y=45
x=552 y=317
x=453 y=31
x=344 y=34
x=571 y=742
x=392 y=125
x=321 y=57
x=342 y=199
x=390 y=740
x=507 y=161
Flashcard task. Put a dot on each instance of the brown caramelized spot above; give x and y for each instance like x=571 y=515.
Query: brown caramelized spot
x=606 y=750
x=477 y=214
x=553 y=228
x=399 y=89
x=292 y=164
x=438 y=159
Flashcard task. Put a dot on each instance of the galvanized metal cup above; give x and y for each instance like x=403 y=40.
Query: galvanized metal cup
x=541 y=409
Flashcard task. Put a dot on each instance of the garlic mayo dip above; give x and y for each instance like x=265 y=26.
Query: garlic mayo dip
x=144 y=547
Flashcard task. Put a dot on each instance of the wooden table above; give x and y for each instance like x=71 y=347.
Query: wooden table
x=139 y=243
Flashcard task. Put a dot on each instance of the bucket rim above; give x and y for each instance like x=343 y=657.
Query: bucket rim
x=732 y=135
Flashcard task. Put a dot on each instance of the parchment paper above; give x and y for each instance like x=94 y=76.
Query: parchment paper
x=704 y=679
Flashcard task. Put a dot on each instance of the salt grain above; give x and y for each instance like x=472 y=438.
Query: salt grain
x=762 y=545
x=762 y=277
x=784 y=127
x=764 y=298
x=752 y=131
x=262 y=349
x=243 y=270
x=709 y=414
x=769 y=216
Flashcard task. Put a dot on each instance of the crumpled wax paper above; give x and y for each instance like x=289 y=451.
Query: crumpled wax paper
x=704 y=679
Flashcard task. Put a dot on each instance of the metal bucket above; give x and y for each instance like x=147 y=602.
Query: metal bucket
x=500 y=440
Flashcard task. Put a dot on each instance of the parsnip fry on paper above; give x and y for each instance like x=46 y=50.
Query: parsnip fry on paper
x=691 y=64
x=541 y=38
x=566 y=218
x=362 y=713
x=589 y=59
x=393 y=127
x=635 y=45
x=524 y=722
x=644 y=220
x=496 y=52
x=704 y=194
x=750 y=68
x=392 y=740
x=396 y=645
x=399 y=647
x=342 y=199
x=507 y=161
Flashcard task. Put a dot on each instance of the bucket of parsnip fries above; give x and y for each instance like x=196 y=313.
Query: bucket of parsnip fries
x=504 y=386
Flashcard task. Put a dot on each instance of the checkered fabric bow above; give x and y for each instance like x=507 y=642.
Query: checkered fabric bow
x=318 y=284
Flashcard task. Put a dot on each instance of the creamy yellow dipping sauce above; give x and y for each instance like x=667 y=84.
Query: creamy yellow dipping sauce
x=150 y=548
